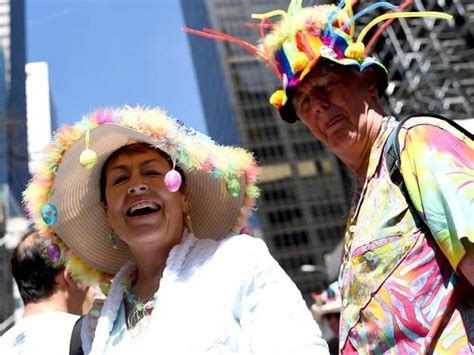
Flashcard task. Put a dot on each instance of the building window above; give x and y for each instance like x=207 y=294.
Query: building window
x=290 y=216
x=290 y=240
x=270 y=154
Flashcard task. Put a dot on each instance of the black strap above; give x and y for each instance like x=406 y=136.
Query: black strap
x=75 y=346
x=392 y=146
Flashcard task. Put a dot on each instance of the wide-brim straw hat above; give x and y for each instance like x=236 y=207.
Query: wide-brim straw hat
x=220 y=182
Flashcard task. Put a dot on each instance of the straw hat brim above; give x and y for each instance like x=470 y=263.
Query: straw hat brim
x=81 y=220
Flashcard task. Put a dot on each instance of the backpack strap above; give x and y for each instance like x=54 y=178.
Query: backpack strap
x=392 y=146
x=393 y=159
x=75 y=346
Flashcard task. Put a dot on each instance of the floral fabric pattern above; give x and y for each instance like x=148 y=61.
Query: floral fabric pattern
x=401 y=294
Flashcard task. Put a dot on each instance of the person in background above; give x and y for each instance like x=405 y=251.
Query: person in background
x=327 y=307
x=408 y=267
x=52 y=300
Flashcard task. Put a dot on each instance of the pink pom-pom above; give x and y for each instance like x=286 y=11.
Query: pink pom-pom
x=173 y=180
x=246 y=230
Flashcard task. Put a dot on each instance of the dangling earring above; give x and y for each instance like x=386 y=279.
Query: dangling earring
x=113 y=240
x=188 y=223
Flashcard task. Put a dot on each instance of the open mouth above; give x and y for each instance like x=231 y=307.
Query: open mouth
x=143 y=208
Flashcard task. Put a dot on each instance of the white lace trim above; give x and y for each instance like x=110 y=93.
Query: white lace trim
x=109 y=311
x=96 y=344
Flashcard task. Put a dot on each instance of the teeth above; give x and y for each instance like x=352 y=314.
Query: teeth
x=141 y=205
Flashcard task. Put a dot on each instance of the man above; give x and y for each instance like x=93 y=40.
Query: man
x=52 y=300
x=408 y=267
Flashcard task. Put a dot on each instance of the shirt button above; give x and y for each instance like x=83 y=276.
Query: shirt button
x=369 y=256
x=352 y=228
x=345 y=302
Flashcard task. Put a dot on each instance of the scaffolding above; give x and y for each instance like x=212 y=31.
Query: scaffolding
x=430 y=61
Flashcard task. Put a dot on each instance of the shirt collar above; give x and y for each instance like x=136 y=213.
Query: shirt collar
x=388 y=123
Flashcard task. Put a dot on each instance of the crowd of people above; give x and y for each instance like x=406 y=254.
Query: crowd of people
x=130 y=202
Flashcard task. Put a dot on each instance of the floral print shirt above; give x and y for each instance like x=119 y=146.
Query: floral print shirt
x=401 y=293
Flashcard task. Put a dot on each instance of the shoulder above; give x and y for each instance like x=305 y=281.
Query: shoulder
x=232 y=244
x=243 y=246
x=429 y=131
x=8 y=338
x=229 y=252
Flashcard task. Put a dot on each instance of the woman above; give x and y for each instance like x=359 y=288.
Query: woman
x=135 y=195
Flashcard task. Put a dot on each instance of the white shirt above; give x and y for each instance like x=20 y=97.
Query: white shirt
x=43 y=333
x=215 y=297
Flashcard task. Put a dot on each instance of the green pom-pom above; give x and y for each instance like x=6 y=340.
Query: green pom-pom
x=233 y=187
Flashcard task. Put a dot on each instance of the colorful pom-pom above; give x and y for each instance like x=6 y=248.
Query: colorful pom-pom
x=278 y=99
x=149 y=306
x=233 y=187
x=355 y=50
x=49 y=213
x=54 y=252
x=246 y=230
x=88 y=158
x=173 y=180
x=105 y=287
x=300 y=61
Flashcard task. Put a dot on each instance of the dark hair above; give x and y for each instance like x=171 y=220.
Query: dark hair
x=135 y=148
x=33 y=273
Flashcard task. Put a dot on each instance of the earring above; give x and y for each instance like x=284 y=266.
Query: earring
x=113 y=240
x=188 y=223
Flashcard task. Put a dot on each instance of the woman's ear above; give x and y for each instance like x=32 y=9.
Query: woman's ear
x=106 y=209
x=185 y=201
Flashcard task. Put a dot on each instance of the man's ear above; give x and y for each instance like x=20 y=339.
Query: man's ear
x=68 y=279
x=370 y=78
x=62 y=279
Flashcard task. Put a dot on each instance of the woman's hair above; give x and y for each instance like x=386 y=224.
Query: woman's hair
x=131 y=149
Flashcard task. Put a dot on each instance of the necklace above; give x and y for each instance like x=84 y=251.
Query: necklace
x=140 y=309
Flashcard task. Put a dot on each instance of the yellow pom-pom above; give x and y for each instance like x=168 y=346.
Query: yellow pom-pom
x=355 y=50
x=278 y=99
x=300 y=61
x=88 y=158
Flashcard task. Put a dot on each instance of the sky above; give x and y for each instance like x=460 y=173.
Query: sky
x=104 y=53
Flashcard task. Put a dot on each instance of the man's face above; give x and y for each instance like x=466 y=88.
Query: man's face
x=332 y=101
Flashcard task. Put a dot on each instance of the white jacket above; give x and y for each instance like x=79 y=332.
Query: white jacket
x=215 y=297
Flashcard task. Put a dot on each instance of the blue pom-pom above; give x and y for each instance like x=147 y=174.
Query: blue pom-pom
x=49 y=213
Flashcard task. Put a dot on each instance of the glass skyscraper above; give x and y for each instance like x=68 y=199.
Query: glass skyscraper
x=13 y=142
x=13 y=136
x=303 y=205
